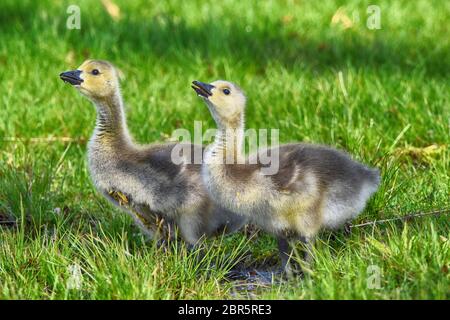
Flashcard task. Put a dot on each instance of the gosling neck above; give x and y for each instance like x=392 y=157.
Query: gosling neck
x=111 y=126
x=228 y=143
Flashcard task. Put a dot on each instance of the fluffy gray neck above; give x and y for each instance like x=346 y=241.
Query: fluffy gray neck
x=228 y=145
x=111 y=128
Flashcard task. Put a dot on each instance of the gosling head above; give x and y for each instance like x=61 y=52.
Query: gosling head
x=225 y=100
x=96 y=79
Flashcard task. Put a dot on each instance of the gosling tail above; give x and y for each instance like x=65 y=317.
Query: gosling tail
x=374 y=179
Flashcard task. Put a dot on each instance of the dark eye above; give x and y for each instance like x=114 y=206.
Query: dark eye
x=95 y=72
x=226 y=91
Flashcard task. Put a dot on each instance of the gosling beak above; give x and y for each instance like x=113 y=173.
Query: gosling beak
x=72 y=77
x=202 y=89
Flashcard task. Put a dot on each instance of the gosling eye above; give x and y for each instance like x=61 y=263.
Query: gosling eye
x=226 y=91
x=95 y=72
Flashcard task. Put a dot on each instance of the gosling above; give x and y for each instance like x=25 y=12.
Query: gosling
x=143 y=180
x=314 y=187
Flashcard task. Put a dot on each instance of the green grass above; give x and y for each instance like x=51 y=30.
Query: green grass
x=393 y=94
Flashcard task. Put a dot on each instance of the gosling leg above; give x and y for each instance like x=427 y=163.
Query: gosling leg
x=308 y=247
x=347 y=229
x=288 y=266
x=285 y=252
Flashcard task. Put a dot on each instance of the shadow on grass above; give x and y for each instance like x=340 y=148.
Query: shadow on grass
x=172 y=39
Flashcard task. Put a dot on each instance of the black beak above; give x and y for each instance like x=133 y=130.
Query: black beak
x=202 y=89
x=72 y=77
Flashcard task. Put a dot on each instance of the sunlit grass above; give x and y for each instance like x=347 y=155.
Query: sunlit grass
x=382 y=95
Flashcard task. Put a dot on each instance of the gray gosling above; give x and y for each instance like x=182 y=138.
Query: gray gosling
x=314 y=187
x=143 y=180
